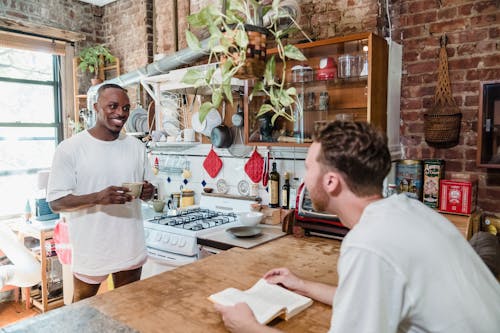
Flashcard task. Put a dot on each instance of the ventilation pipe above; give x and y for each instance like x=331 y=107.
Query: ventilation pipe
x=185 y=56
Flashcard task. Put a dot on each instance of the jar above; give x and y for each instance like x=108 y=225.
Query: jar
x=187 y=198
x=302 y=73
x=348 y=66
x=176 y=197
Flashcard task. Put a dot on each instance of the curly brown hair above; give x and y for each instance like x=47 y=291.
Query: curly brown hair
x=358 y=151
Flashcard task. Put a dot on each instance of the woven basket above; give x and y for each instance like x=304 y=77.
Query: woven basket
x=442 y=122
x=255 y=63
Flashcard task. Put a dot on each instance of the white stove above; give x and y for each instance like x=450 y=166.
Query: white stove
x=171 y=238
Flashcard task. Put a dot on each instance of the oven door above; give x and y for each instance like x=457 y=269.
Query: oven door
x=162 y=261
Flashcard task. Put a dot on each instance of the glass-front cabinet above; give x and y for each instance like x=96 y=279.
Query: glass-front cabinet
x=488 y=152
x=342 y=78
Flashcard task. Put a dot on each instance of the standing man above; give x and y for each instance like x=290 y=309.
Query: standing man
x=105 y=222
x=402 y=267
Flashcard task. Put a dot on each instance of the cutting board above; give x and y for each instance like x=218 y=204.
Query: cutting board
x=226 y=240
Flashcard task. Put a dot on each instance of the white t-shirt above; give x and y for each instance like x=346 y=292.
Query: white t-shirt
x=104 y=238
x=405 y=268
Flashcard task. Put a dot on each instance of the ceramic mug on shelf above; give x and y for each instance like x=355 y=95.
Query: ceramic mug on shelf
x=188 y=135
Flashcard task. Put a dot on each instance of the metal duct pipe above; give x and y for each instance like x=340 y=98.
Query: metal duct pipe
x=185 y=56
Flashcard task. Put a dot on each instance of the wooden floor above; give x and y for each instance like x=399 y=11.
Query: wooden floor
x=11 y=311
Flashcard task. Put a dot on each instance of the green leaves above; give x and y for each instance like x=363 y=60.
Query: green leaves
x=90 y=58
x=293 y=52
x=192 y=41
x=228 y=44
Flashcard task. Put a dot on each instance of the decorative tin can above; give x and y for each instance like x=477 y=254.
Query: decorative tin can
x=409 y=178
x=433 y=173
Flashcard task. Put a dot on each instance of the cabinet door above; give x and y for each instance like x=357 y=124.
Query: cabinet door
x=343 y=78
x=488 y=153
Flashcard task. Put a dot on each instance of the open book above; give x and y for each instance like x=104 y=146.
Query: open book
x=266 y=300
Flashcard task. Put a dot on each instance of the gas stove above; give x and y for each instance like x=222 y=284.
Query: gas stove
x=195 y=219
x=175 y=235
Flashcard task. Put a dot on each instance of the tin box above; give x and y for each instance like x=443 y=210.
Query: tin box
x=433 y=173
x=458 y=196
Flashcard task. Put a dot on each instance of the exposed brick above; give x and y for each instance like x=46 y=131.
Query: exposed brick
x=442 y=27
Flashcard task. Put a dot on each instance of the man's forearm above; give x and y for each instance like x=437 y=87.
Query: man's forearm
x=73 y=202
x=320 y=292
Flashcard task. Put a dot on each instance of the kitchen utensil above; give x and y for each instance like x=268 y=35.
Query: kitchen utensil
x=254 y=166
x=237 y=118
x=222 y=186
x=245 y=231
x=250 y=218
x=221 y=135
x=265 y=171
x=238 y=147
x=212 y=163
x=243 y=187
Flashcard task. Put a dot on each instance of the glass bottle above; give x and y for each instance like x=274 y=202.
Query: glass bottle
x=274 y=187
x=285 y=192
x=294 y=185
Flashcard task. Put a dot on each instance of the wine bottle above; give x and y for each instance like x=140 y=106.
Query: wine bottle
x=285 y=192
x=274 y=187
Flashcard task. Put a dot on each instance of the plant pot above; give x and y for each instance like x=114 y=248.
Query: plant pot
x=255 y=63
x=95 y=81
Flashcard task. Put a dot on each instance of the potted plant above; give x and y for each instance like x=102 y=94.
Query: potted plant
x=236 y=42
x=92 y=58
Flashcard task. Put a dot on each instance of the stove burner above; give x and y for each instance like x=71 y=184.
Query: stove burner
x=195 y=219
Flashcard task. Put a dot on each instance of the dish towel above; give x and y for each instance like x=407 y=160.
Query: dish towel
x=212 y=163
x=255 y=166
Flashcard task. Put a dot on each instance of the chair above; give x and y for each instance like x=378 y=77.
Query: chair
x=25 y=270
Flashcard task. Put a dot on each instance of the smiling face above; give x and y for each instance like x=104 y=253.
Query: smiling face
x=113 y=108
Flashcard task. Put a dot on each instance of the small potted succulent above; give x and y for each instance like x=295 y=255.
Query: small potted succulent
x=92 y=58
x=237 y=42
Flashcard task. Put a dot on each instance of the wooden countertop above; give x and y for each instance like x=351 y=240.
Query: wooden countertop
x=176 y=301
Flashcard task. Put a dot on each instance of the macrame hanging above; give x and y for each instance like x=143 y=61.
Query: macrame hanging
x=442 y=122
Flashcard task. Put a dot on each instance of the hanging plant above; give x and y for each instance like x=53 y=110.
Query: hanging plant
x=237 y=43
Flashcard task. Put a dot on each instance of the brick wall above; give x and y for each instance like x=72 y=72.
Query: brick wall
x=137 y=29
x=65 y=15
x=473 y=30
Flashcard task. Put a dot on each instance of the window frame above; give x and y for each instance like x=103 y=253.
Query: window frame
x=58 y=125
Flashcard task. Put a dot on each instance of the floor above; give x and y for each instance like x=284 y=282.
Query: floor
x=11 y=311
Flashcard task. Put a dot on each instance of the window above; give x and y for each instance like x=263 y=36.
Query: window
x=30 y=123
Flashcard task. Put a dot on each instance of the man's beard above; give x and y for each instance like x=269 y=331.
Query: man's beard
x=319 y=198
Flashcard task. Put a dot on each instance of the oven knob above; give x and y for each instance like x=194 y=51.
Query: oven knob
x=158 y=237
x=146 y=233
x=166 y=238
x=174 y=240
x=182 y=242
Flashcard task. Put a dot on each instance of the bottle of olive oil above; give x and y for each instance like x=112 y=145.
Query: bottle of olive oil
x=285 y=192
x=274 y=187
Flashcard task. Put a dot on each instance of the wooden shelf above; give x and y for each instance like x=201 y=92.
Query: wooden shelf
x=362 y=97
x=80 y=100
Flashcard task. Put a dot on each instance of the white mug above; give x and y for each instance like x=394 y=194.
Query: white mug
x=188 y=134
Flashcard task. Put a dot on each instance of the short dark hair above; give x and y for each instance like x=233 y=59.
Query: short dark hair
x=108 y=86
x=358 y=151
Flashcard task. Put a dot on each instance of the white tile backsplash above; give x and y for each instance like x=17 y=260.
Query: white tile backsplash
x=287 y=159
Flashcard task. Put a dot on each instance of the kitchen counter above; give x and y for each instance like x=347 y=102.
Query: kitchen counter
x=176 y=301
x=223 y=240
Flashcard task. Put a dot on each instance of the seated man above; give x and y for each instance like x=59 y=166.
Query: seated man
x=402 y=268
